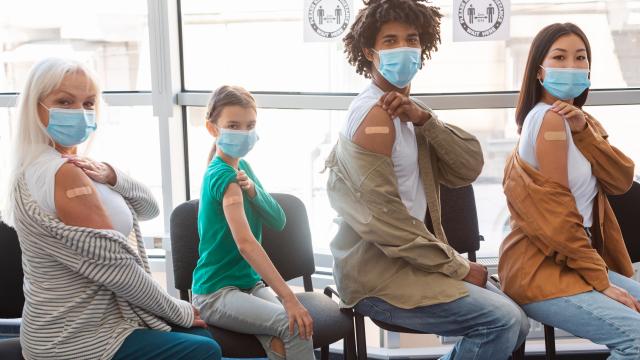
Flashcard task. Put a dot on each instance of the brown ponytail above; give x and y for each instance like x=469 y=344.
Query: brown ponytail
x=226 y=95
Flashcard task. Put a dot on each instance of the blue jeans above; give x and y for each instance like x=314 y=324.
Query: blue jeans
x=594 y=316
x=180 y=343
x=491 y=324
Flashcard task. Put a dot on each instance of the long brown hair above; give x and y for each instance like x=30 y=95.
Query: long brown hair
x=226 y=95
x=531 y=90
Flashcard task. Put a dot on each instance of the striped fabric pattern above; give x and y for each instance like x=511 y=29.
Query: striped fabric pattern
x=85 y=289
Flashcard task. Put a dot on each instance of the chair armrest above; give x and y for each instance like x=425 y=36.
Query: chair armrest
x=329 y=291
x=495 y=280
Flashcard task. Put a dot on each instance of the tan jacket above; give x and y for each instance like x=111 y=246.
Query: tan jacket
x=548 y=254
x=393 y=256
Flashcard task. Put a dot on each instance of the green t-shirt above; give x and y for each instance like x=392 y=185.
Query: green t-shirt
x=220 y=263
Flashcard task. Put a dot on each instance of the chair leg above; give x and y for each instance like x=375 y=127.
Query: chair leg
x=324 y=352
x=550 y=342
x=518 y=354
x=349 y=346
x=361 y=338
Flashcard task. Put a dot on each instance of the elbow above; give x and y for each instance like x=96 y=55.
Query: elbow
x=246 y=246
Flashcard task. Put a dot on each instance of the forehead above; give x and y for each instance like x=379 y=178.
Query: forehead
x=237 y=113
x=569 y=42
x=396 y=28
x=76 y=83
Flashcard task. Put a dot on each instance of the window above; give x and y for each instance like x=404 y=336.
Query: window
x=288 y=158
x=259 y=45
x=111 y=37
x=293 y=145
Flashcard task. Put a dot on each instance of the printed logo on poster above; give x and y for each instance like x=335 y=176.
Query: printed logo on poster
x=481 y=20
x=329 y=18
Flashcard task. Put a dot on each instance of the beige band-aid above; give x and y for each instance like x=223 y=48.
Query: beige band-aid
x=555 y=135
x=228 y=201
x=376 y=130
x=79 y=191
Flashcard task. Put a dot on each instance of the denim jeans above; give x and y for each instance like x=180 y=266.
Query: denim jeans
x=594 y=316
x=180 y=343
x=491 y=324
x=255 y=311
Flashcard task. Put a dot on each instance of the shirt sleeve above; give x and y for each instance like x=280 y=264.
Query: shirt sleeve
x=218 y=183
x=270 y=211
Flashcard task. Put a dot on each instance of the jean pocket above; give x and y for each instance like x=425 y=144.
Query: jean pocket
x=369 y=308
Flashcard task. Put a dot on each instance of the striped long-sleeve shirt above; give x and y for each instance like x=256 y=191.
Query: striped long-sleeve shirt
x=85 y=289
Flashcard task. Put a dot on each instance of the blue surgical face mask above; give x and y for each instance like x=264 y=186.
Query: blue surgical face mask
x=236 y=143
x=565 y=83
x=70 y=127
x=400 y=65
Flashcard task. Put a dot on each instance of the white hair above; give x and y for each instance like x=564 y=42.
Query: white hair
x=31 y=137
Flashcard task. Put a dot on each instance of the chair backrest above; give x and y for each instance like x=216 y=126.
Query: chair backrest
x=627 y=207
x=460 y=219
x=11 y=275
x=290 y=250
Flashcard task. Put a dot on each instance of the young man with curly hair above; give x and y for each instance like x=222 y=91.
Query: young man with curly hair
x=384 y=181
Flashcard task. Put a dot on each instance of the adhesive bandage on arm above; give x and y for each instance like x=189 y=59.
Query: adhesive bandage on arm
x=231 y=200
x=79 y=191
x=376 y=130
x=555 y=135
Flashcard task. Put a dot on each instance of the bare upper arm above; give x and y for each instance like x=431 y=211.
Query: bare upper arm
x=233 y=207
x=77 y=202
x=376 y=133
x=552 y=148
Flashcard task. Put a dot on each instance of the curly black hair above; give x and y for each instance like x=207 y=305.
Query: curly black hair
x=363 y=32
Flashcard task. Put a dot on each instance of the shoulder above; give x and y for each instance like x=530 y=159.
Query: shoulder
x=70 y=176
x=218 y=177
x=535 y=118
x=376 y=133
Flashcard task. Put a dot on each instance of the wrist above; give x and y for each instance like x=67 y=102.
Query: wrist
x=422 y=119
x=581 y=129
x=112 y=179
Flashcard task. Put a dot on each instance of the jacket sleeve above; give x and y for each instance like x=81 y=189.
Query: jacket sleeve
x=459 y=158
x=535 y=210
x=399 y=236
x=137 y=195
x=99 y=256
x=613 y=169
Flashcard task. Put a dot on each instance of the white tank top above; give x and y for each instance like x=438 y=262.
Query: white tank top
x=404 y=153
x=582 y=183
x=40 y=178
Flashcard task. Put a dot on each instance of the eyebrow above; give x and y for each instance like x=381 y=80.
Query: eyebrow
x=564 y=50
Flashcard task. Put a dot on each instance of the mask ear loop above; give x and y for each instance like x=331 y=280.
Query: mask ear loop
x=541 y=80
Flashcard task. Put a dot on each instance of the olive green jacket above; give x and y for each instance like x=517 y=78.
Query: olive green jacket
x=391 y=255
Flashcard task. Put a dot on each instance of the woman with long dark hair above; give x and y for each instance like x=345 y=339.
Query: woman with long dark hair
x=565 y=261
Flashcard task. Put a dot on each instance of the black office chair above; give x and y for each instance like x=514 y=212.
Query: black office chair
x=626 y=207
x=460 y=222
x=12 y=299
x=292 y=254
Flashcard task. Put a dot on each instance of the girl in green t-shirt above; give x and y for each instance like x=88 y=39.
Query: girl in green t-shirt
x=227 y=286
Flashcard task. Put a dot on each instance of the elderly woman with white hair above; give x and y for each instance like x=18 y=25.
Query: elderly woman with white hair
x=88 y=290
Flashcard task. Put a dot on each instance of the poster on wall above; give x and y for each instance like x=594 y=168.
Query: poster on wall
x=481 y=20
x=326 y=20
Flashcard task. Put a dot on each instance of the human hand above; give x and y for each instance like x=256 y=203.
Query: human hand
x=400 y=105
x=97 y=171
x=299 y=315
x=477 y=274
x=574 y=116
x=197 y=320
x=246 y=184
x=622 y=296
